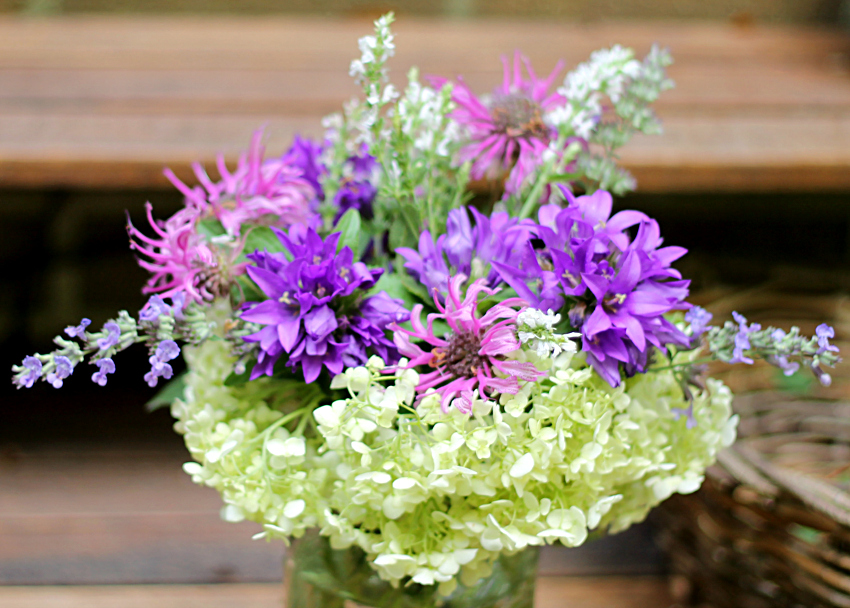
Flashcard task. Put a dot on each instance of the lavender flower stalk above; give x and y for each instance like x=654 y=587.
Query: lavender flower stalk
x=158 y=326
x=741 y=342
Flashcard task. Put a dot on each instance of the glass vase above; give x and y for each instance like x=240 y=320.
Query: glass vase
x=320 y=577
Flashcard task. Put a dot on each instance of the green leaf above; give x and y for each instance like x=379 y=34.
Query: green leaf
x=235 y=379
x=349 y=227
x=210 y=228
x=392 y=284
x=250 y=291
x=417 y=289
x=168 y=394
x=262 y=237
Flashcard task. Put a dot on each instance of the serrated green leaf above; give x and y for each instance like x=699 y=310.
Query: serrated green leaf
x=168 y=394
x=349 y=229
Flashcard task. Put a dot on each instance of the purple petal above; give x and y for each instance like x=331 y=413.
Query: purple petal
x=320 y=322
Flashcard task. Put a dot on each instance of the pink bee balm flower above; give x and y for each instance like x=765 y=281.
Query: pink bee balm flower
x=178 y=259
x=260 y=191
x=472 y=355
x=509 y=130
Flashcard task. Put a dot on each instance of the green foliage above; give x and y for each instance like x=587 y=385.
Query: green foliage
x=168 y=394
x=349 y=227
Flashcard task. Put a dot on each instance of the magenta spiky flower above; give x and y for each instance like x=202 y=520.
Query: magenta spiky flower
x=508 y=131
x=270 y=192
x=472 y=355
x=178 y=258
x=261 y=191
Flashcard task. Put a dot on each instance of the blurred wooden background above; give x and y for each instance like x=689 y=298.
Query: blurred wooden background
x=752 y=175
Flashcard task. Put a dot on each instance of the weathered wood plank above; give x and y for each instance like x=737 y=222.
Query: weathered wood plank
x=707 y=89
x=88 y=101
x=272 y=42
x=587 y=592
x=695 y=154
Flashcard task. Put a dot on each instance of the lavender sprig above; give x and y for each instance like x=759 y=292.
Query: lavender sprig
x=741 y=342
x=159 y=326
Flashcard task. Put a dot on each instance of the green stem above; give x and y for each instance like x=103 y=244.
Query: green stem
x=676 y=366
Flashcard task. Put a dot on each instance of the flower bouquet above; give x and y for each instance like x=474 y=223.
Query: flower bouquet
x=418 y=384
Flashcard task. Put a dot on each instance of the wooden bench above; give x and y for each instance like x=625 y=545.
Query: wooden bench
x=92 y=102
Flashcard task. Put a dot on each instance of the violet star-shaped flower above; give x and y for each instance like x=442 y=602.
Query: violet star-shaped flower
x=318 y=312
x=616 y=290
x=472 y=250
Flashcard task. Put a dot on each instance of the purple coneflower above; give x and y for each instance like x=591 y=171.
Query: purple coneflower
x=472 y=355
x=508 y=131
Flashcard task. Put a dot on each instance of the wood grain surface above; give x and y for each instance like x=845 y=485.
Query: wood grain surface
x=96 y=101
x=554 y=592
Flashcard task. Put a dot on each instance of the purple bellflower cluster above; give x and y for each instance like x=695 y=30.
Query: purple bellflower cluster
x=615 y=290
x=467 y=249
x=357 y=188
x=317 y=312
x=305 y=155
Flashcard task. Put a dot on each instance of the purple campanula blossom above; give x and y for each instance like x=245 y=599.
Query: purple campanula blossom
x=317 y=312
x=357 y=189
x=63 y=369
x=78 y=331
x=305 y=155
x=616 y=290
x=104 y=366
x=113 y=334
x=355 y=195
x=467 y=249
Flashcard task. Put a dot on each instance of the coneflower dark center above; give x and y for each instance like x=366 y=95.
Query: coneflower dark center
x=518 y=116
x=460 y=357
